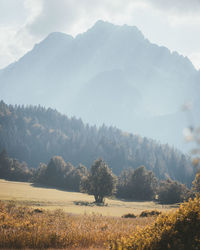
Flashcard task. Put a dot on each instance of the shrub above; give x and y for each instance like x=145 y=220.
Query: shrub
x=178 y=229
x=148 y=213
x=129 y=215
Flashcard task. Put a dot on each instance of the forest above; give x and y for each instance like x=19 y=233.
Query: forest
x=42 y=146
x=34 y=134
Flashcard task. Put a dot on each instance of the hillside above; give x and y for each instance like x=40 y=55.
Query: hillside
x=110 y=74
x=34 y=134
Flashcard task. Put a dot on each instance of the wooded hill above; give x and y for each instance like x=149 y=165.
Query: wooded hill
x=34 y=134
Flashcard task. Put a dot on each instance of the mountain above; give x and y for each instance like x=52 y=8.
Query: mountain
x=34 y=134
x=110 y=74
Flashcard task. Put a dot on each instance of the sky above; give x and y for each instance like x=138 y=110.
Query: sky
x=172 y=23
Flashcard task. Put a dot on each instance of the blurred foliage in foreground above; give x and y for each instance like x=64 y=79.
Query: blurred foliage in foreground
x=193 y=135
x=178 y=229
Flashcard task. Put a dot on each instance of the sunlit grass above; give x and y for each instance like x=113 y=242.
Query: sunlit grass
x=49 y=198
x=66 y=220
x=23 y=227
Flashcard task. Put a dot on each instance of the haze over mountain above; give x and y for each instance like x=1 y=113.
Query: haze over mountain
x=110 y=74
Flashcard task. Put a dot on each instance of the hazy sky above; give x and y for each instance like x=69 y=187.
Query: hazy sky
x=172 y=23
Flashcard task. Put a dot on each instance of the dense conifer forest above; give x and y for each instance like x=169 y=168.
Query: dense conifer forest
x=34 y=134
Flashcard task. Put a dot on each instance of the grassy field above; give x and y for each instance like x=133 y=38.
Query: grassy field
x=77 y=203
x=27 y=228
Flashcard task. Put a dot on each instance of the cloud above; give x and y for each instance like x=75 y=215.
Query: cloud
x=74 y=16
x=15 y=40
x=54 y=16
x=12 y=12
x=177 y=6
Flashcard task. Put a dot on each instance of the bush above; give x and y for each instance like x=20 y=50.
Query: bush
x=129 y=215
x=148 y=213
x=178 y=229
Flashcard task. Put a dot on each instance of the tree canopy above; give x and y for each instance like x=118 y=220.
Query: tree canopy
x=100 y=181
x=170 y=192
x=138 y=184
x=58 y=173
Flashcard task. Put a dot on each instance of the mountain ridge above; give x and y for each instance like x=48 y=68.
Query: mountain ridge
x=56 y=72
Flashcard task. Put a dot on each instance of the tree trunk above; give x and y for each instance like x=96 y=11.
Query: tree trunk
x=99 y=199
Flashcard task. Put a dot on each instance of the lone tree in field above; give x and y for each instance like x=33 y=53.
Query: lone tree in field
x=100 y=181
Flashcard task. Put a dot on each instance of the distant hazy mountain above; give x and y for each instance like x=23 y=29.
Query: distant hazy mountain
x=110 y=74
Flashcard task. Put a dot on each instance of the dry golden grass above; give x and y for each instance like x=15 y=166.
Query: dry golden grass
x=23 y=227
x=27 y=194
x=63 y=224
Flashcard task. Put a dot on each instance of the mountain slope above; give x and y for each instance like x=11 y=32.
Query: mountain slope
x=35 y=134
x=66 y=73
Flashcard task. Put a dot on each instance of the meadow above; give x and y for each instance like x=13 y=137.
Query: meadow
x=40 y=217
x=36 y=217
x=23 y=193
x=23 y=227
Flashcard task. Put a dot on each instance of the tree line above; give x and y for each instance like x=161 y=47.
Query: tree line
x=139 y=184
